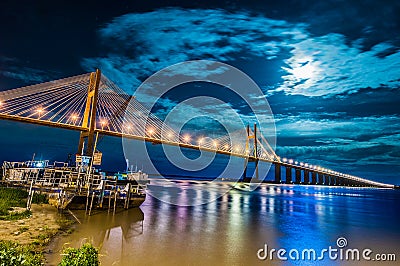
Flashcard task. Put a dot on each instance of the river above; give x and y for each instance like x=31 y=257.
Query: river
x=232 y=229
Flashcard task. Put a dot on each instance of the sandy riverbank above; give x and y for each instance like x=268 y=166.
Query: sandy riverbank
x=43 y=224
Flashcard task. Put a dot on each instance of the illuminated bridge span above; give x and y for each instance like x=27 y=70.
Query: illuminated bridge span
x=91 y=103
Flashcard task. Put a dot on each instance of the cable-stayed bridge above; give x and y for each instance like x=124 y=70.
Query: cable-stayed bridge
x=92 y=104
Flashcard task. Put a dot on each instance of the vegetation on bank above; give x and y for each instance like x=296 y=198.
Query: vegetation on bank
x=87 y=255
x=11 y=198
x=12 y=254
x=13 y=207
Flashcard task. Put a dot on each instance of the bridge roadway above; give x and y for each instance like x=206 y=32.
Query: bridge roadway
x=303 y=175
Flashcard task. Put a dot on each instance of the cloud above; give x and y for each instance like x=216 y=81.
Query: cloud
x=15 y=70
x=138 y=45
x=344 y=141
x=327 y=65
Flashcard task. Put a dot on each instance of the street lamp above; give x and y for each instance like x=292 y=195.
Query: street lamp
x=215 y=143
x=186 y=138
x=39 y=111
x=74 y=117
x=103 y=123
x=150 y=131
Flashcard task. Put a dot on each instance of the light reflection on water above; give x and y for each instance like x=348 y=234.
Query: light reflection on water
x=230 y=230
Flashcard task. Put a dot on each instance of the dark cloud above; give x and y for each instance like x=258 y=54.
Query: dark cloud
x=15 y=69
x=140 y=44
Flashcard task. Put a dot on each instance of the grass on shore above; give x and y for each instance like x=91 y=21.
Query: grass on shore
x=11 y=198
x=12 y=207
x=86 y=255
x=12 y=253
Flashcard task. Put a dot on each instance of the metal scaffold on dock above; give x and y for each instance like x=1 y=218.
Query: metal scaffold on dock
x=77 y=187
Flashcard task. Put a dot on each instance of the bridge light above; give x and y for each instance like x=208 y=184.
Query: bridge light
x=215 y=143
x=74 y=117
x=301 y=164
x=236 y=149
x=103 y=123
x=186 y=138
x=200 y=141
x=284 y=160
x=226 y=146
x=169 y=135
x=306 y=165
x=150 y=131
x=39 y=110
x=296 y=162
x=264 y=154
x=291 y=161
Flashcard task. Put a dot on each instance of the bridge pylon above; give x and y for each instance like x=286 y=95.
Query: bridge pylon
x=252 y=155
x=89 y=117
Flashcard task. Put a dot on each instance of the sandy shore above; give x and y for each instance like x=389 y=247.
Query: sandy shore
x=38 y=228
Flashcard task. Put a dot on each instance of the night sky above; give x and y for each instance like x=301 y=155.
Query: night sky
x=330 y=70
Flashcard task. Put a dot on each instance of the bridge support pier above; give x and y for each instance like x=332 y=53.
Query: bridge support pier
x=89 y=117
x=313 y=178
x=298 y=176
x=320 y=180
x=253 y=159
x=288 y=175
x=278 y=173
x=246 y=178
x=306 y=178
x=326 y=180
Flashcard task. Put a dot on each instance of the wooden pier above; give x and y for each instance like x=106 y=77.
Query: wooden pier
x=76 y=187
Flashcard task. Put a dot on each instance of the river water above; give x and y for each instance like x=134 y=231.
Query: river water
x=232 y=229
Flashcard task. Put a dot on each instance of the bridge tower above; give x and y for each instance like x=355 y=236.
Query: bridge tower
x=89 y=117
x=252 y=155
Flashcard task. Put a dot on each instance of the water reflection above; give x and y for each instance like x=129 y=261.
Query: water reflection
x=231 y=229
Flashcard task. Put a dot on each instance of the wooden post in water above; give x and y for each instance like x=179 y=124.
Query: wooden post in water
x=103 y=182
x=115 y=198
x=109 y=202
x=91 y=204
